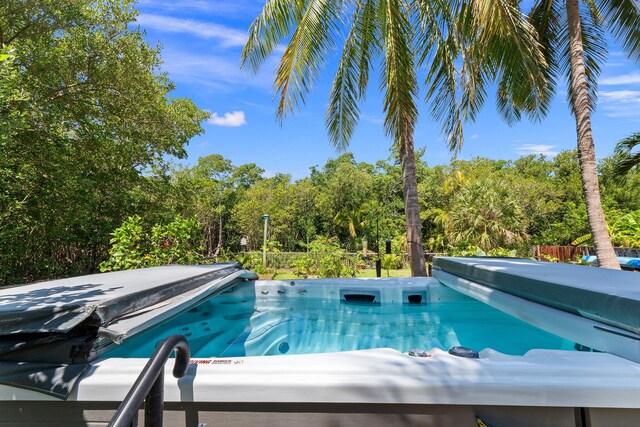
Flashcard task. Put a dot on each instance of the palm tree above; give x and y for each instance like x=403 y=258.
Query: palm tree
x=405 y=36
x=573 y=36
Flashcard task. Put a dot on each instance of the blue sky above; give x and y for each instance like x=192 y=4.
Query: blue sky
x=201 y=44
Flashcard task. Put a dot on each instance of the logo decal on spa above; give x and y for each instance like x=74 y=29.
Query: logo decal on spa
x=215 y=362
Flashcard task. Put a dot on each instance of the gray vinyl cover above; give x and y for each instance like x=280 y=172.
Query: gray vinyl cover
x=48 y=329
x=609 y=296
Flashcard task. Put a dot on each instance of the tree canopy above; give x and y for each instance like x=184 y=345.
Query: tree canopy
x=87 y=126
x=88 y=116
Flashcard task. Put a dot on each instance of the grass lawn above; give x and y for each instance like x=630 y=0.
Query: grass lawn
x=370 y=272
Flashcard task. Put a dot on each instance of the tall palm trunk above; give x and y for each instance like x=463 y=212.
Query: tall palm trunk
x=411 y=206
x=586 y=151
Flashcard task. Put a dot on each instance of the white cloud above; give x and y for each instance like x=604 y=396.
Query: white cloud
x=621 y=104
x=545 y=150
x=228 y=37
x=625 y=96
x=617 y=54
x=215 y=72
x=262 y=108
x=233 y=119
x=624 y=79
x=474 y=136
x=375 y=120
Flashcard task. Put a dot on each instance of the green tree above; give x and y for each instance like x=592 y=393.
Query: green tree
x=210 y=186
x=344 y=186
x=269 y=196
x=530 y=184
x=11 y=96
x=76 y=156
x=12 y=120
x=209 y=191
x=304 y=213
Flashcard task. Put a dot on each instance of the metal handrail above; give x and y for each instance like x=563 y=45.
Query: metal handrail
x=149 y=387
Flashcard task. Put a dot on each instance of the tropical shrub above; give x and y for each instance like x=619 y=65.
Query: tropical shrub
x=331 y=259
x=624 y=229
x=466 y=251
x=259 y=268
x=484 y=214
x=248 y=260
x=503 y=252
x=390 y=261
x=178 y=242
x=129 y=247
x=304 y=266
x=474 y=251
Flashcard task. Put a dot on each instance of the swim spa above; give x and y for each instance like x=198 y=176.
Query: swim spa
x=249 y=369
x=261 y=318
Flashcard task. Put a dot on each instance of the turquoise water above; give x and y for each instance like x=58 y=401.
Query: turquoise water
x=233 y=324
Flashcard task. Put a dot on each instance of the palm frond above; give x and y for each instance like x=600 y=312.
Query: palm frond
x=545 y=17
x=437 y=42
x=398 y=73
x=316 y=26
x=352 y=77
x=511 y=43
x=274 y=23
x=582 y=240
x=623 y=18
x=306 y=53
x=532 y=94
x=477 y=69
x=625 y=159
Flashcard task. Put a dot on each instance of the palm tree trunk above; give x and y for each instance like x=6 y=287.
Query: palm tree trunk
x=411 y=206
x=586 y=150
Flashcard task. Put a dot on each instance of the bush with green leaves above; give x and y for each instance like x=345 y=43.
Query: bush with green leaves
x=624 y=229
x=248 y=259
x=178 y=242
x=474 y=251
x=129 y=247
x=331 y=259
x=503 y=252
x=304 y=266
x=465 y=251
x=390 y=261
x=257 y=265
